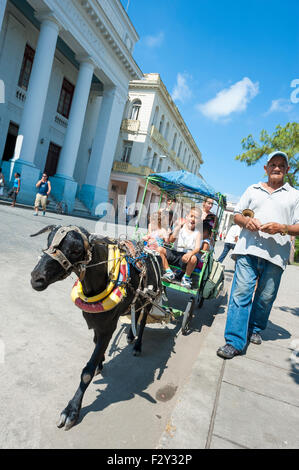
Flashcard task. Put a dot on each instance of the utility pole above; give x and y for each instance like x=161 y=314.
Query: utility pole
x=128 y=5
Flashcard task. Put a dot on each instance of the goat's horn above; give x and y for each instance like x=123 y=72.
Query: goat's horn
x=93 y=237
x=48 y=228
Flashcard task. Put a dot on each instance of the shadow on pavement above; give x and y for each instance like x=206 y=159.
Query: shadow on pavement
x=292 y=310
x=274 y=332
x=126 y=376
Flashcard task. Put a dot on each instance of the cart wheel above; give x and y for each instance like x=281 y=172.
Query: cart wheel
x=187 y=317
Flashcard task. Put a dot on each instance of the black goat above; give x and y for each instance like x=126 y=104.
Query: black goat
x=67 y=252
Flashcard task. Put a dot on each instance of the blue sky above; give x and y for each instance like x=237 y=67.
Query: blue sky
x=229 y=66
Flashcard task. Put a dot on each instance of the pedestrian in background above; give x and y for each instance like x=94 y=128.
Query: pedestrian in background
x=13 y=193
x=2 y=182
x=261 y=253
x=44 y=189
x=230 y=241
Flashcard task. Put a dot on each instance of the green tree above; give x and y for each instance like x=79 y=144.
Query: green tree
x=285 y=139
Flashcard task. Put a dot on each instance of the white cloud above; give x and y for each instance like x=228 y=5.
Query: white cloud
x=155 y=40
x=181 y=90
x=281 y=105
x=230 y=100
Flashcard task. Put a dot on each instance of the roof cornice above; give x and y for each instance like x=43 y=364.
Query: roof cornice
x=100 y=20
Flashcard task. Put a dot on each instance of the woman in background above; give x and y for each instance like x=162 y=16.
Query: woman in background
x=2 y=182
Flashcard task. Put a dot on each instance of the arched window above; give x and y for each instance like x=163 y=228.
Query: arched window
x=184 y=157
x=136 y=105
x=160 y=165
x=161 y=125
x=166 y=130
x=180 y=148
x=155 y=118
x=154 y=162
x=174 y=141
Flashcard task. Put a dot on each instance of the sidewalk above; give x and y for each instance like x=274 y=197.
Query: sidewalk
x=251 y=401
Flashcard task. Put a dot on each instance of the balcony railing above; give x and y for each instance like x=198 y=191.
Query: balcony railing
x=159 y=139
x=130 y=125
x=124 y=167
x=21 y=94
x=60 y=120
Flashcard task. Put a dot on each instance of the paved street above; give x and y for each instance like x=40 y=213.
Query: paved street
x=177 y=395
x=47 y=343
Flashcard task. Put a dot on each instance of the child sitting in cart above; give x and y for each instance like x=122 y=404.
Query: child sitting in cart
x=185 y=254
x=206 y=242
x=157 y=234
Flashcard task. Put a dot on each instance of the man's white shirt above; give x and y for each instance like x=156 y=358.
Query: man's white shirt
x=280 y=206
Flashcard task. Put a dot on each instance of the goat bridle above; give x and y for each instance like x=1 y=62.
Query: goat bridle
x=79 y=267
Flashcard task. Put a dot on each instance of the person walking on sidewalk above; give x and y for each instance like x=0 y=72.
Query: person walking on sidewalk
x=261 y=254
x=44 y=189
x=230 y=241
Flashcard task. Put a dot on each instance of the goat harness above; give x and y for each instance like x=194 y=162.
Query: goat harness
x=118 y=273
x=80 y=266
x=120 y=256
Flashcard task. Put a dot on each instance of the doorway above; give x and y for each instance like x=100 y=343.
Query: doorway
x=52 y=159
x=12 y=134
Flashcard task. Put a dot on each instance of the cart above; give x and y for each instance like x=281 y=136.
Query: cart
x=183 y=187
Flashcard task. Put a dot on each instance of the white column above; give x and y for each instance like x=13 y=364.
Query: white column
x=104 y=144
x=2 y=11
x=37 y=92
x=132 y=191
x=68 y=156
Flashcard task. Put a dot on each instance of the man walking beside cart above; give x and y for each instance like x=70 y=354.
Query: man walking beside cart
x=268 y=214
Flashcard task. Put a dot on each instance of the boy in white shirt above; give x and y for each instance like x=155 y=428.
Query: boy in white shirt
x=187 y=242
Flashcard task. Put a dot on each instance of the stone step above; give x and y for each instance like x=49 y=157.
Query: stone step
x=79 y=210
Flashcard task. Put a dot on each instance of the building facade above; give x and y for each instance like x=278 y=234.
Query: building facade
x=66 y=67
x=227 y=218
x=153 y=138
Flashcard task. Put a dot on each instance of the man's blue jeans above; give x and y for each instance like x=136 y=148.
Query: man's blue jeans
x=226 y=249
x=247 y=315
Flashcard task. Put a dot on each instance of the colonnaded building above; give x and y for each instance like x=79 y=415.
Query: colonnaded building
x=77 y=106
x=66 y=67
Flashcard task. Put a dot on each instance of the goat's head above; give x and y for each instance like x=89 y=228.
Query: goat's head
x=66 y=249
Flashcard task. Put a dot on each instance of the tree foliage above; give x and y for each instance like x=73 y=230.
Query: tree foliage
x=285 y=139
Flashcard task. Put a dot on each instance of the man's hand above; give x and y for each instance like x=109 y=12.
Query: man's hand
x=272 y=228
x=252 y=224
